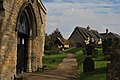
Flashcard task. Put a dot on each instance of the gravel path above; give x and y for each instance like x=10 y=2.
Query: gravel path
x=66 y=70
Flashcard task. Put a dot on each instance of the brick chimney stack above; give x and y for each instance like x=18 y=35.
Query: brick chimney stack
x=88 y=27
x=106 y=31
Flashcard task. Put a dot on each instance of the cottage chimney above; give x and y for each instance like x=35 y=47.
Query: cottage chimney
x=106 y=31
x=88 y=27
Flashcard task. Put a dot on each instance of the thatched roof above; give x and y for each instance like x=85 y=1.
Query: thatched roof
x=87 y=33
x=114 y=34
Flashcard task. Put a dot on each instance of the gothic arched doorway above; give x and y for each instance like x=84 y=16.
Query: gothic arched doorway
x=26 y=31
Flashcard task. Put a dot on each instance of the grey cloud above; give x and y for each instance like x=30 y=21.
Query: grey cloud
x=66 y=16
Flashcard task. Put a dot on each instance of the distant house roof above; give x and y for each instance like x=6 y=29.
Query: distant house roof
x=60 y=40
x=97 y=34
x=87 y=33
x=103 y=34
x=82 y=36
x=114 y=34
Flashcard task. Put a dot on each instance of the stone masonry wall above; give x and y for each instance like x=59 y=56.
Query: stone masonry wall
x=8 y=38
x=113 y=68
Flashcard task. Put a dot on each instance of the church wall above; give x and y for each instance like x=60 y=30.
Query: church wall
x=8 y=38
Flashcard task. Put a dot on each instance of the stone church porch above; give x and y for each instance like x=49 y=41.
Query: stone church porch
x=22 y=29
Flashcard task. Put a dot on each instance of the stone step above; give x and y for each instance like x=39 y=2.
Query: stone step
x=18 y=77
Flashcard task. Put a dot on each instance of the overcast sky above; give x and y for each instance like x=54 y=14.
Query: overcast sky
x=67 y=14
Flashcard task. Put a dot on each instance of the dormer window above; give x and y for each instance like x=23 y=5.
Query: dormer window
x=88 y=39
x=93 y=40
x=100 y=41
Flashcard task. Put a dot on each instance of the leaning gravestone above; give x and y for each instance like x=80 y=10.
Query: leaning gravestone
x=88 y=65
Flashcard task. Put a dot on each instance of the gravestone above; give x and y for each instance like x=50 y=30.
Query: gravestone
x=89 y=49
x=88 y=65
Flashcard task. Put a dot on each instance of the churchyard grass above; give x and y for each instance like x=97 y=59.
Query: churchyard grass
x=51 y=61
x=100 y=65
x=72 y=50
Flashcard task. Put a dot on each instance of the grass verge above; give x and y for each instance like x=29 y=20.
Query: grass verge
x=51 y=61
x=100 y=66
x=72 y=50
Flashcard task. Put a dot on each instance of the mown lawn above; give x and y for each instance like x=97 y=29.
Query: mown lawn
x=72 y=50
x=100 y=65
x=52 y=61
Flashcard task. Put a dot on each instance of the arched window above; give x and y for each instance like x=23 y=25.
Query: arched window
x=23 y=24
x=26 y=21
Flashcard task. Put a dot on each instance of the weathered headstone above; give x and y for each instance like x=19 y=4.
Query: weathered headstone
x=88 y=65
x=89 y=49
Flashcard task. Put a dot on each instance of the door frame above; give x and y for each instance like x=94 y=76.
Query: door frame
x=32 y=30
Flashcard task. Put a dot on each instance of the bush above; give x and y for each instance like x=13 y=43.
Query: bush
x=47 y=52
x=84 y=51
x=94 y=53
x=100 y=67
x=55 y=50
x=72 y=50
x=52 y=61
x=107 y=57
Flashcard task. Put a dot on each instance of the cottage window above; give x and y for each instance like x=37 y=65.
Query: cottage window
x=93 y=40
x=100 y=41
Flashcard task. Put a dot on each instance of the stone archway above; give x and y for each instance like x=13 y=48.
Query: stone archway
x=26 y=32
